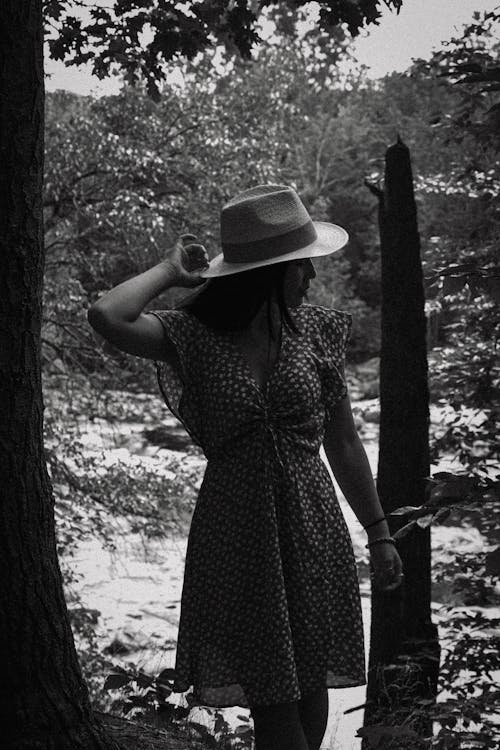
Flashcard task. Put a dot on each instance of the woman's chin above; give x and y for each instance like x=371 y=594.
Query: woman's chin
x=297 y=300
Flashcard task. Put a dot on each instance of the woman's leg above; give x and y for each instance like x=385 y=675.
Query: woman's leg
x=313 y=713
x=278 y=727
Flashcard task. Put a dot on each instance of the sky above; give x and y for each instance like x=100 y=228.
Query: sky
x=421 y=26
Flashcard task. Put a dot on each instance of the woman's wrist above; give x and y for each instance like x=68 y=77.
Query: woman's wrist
x=378 y=530
x=381 y=541
x=172 y=272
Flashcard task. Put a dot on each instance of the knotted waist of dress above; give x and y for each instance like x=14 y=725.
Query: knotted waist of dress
x=278 y=431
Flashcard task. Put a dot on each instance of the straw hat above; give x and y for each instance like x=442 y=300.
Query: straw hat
x=270 y=224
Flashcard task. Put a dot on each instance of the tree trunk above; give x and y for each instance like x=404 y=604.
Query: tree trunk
x=44 y=701
x=402 y=633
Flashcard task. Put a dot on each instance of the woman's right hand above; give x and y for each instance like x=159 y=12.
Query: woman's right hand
x=187 y=258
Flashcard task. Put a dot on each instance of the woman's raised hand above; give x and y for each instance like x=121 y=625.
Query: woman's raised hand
x=187 y=258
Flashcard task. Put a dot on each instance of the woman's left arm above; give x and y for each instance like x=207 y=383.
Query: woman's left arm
x=349 y=462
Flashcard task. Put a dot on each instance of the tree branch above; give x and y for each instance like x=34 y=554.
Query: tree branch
x=374 y=188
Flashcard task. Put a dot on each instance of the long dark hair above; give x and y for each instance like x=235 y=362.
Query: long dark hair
x=229 y=303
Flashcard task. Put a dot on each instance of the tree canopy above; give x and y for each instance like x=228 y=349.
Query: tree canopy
x=137 y=37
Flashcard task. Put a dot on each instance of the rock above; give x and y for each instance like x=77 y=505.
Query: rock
x=365 y=377
x=126 y=641
x=358 y=421
x=169 y=437
x=134 y=443
x=369 y=388
x=368 y=369
x=82 y=614
x=117 y=647
x=372 y=415
x=171 y=618
x=355 y=393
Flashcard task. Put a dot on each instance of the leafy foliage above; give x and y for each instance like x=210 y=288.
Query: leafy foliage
x=471 y=655
x=470 y=640
x=126 y=175
x=137 y=37
x=471 y=62
x=147 y=696
x=90 y=495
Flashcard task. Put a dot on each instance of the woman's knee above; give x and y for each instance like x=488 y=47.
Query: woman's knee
x=315 y=700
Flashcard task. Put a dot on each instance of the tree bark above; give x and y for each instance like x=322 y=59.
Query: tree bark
x=44 y=702
x=402 y=633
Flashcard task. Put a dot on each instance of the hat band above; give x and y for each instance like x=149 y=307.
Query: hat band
x=270 y=247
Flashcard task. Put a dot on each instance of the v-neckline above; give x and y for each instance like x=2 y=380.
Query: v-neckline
x=245 y=364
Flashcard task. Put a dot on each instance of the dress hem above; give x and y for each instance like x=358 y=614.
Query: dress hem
x=213 y=704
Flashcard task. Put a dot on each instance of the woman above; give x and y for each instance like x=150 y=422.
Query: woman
x=270 y=612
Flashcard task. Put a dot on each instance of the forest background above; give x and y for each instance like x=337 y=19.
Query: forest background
x=126 y=174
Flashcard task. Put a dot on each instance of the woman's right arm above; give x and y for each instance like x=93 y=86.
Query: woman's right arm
x=118 y=315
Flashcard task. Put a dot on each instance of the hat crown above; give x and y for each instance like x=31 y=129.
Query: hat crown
x=261 y=213
x=269 y=224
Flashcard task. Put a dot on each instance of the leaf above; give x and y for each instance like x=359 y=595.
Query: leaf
x=203 y=731
x=456 y=268
x=116 y=680
x=485 y=634
x=376 y=733
x=201 y=728
x=166 y=675
x=243 y=730
x=469 y=67
x=456 y=488
x=425 y=521
x=163 y=690
x=404 y=510
x=404 y=530
x=220 y=723
x=179 y=712
x=143 y=680
x=153 y=90
x=128 y=706
x=442 y=513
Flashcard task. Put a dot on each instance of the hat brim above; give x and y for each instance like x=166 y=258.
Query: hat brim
x=330 y=238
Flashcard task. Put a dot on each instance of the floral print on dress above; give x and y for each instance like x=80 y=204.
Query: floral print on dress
x=270 y=607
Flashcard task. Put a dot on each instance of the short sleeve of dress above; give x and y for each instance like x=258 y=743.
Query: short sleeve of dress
x=176 y=377
x=332 y=332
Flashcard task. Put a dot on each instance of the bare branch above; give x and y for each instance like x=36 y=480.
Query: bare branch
x=374 y=188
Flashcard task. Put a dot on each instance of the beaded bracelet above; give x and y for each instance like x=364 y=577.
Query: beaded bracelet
x=374 y=522
x=389 y=539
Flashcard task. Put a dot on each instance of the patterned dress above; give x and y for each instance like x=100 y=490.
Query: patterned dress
x=270 y=607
